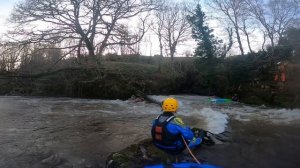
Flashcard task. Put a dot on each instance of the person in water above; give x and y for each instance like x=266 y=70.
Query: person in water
x=235 y=97
x=169 y=132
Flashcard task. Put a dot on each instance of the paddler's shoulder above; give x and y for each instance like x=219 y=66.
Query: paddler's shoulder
x=177 y=121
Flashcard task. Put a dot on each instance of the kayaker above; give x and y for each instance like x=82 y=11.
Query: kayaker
x=235 y=97
x=167 y=130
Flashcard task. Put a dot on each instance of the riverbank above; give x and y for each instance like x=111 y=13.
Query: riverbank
x=121 y=77
x=115 y=80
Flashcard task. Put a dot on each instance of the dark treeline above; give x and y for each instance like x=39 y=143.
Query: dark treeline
x=250 y=76
x=88 y=51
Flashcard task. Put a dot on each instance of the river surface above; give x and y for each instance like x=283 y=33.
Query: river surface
x=66 y=132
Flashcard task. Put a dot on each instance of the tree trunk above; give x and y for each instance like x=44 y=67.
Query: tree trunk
x=90 y=48
x=105 y=40
x=160 y=44
x=263 y=44
x=172 y=52
x=248 y=42
x=239 y=40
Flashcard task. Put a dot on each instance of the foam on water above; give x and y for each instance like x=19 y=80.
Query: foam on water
x=195 y=106
x=283 y=115
x=215 y=116
x=248 y=113
x=216 y=121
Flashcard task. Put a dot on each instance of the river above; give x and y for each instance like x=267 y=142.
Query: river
x=65 y=132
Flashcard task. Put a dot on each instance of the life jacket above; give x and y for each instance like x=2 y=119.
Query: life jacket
x=161 y=137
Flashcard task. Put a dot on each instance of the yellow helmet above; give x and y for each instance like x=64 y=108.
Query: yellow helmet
x=170 y=105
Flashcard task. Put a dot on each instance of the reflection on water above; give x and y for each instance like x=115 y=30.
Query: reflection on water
x=49 y=132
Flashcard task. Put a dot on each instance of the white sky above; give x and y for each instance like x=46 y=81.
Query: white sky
x=6 y=7
x=150 y=44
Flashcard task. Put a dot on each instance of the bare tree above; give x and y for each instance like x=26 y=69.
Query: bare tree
x=92 y=23
x=246 y=32
x=234 y=10
x=157 y=28
x=226 y=47
x=171 y=26
x=9 y=56
x=275 y=16
x=264 y=41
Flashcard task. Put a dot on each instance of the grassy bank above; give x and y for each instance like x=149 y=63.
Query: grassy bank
x=114 y=80
x=120 y=77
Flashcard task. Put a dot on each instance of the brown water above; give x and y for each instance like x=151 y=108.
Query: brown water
x=257 y=144
x=60 y=133
x=63 y=132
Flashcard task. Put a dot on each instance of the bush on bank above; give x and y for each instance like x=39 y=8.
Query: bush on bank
x=119 y=77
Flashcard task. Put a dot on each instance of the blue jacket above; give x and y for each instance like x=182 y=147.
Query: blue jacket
x=175 y=128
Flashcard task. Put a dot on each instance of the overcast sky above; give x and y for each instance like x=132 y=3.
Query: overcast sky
x=150 y=47
x=6 y=7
